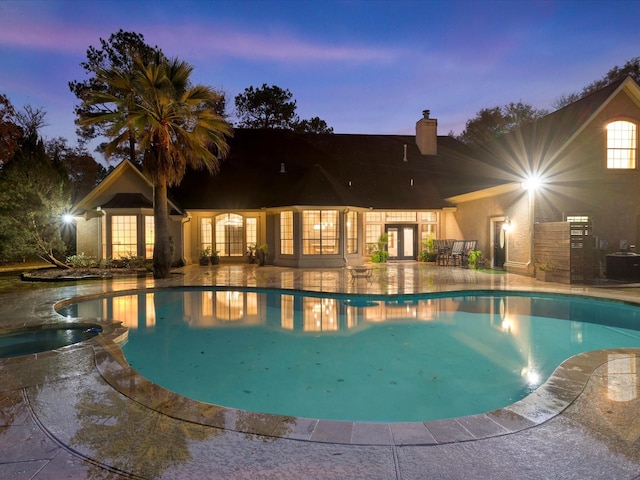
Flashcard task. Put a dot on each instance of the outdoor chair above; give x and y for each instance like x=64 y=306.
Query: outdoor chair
x=457 y=250
x=469 y=246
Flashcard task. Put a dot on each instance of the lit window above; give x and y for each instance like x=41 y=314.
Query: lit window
x=149 y=234
x=286 y=233
x=352 y=232
x=230 y=235
x=320 y=232
x=206 y=234
x=373 y=216
x=372 y=235
x=621 y=145
x=401 y=216
x=251 y=226
x=124 y=236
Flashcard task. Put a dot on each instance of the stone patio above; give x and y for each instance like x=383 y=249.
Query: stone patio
x=80 y=412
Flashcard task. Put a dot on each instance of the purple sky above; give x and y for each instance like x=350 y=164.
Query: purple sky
x=363 y=66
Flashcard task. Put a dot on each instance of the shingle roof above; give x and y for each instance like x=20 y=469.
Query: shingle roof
x=128 y=200
x=331 y=170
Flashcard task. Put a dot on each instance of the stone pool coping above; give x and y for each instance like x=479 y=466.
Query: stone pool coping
x=552 y=397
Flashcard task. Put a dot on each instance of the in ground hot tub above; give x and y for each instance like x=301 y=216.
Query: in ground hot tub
x=42 y=339
x=623 y=266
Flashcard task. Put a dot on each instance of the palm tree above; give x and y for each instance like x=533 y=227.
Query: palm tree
x=173 y=124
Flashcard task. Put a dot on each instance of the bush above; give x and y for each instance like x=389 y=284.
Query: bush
x=82 y=261
x=380 y=253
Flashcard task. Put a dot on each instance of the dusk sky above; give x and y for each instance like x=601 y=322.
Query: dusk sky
x=362 y=66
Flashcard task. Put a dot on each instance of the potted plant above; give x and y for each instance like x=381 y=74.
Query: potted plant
x=475 y=259
x=262 y=251
x=428 y=252
x=380 y=253
x=544 y=271
x=204 y=256
x=215 y=259
x=251 y=253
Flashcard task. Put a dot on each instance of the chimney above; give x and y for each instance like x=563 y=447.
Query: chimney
x=427 y=134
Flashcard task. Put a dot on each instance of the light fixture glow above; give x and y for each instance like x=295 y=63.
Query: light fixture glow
x=532 y=182
x=67 y=218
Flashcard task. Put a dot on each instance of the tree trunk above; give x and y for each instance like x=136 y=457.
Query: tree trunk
x=162 y=245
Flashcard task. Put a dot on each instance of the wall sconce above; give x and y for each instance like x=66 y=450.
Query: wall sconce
x=507 y=226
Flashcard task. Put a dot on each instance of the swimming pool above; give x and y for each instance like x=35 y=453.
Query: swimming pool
x=361 y=358
x=37 y=340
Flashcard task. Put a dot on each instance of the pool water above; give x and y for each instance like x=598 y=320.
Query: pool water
x=27 y=342
x=392 y=359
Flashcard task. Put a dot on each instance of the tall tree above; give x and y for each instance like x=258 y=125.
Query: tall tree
x=10 y=131
x=117 y=55
x=172 y=122
x=313 y=125
x=630 y=68
x=274 y=107
x=84 y=172
x=491 y=123
x=266 y=107
x=34 y=194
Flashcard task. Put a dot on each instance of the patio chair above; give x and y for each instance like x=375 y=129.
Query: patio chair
x=469 y=246
x=457 y=250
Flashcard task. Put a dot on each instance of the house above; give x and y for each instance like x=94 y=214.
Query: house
x=323 y=200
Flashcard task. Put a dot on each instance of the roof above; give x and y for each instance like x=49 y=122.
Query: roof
x=277 y=168
x=534 y=147
x=128 y=200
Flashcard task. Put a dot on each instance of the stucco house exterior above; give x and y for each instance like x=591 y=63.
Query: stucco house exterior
x=322 y=200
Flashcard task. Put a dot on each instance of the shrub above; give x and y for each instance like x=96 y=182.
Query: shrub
x=82 y=261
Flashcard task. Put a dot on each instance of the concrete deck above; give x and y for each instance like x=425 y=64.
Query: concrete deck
x=80 y=412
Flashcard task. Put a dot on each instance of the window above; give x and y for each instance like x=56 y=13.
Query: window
x=124 y=236
x=373 y=216
x=320 y=232
x=252 y=232
x=286 y=233
x=400 y=216
x=206 y=234
x=230 y=235
x=621 y=145
x=352 y=232
x=149 y=235
x=372 y=235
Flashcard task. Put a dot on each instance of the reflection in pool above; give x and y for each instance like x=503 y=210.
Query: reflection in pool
x=363 y=358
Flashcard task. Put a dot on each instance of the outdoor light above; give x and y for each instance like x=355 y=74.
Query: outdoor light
x=532 y=182
x=67 y=218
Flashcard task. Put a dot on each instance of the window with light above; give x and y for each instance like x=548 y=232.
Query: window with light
x=286 y=233
x=320 y=232
x=621 y=145
x=149 y=235
x=230 y=235
x=352 y=232
x=372 y=235
x=124 y=236
x=251 y=227
x=206 y=234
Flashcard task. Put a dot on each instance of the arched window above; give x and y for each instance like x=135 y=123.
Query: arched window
x=621 y=145
x=230 y=235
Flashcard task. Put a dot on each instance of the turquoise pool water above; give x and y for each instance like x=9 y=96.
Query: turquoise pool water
x=36 y=340
x=363 y=358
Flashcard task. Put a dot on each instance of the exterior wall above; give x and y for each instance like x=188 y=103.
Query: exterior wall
x=192 y=234
x=552 y=247
x=88 y=237
x=476 y=220
x=585 y=186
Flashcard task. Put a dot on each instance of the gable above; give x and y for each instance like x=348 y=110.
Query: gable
x=125 y=186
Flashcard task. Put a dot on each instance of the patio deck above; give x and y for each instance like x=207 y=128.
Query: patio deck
x=60 y=416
